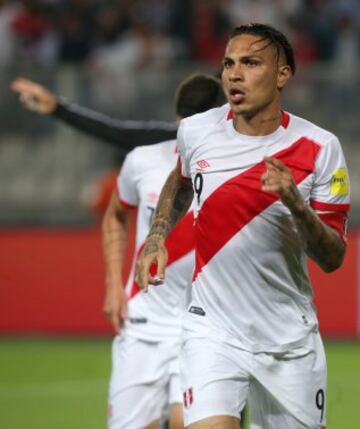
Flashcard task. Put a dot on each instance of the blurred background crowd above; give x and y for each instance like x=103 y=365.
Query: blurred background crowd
x=140 y=32
x=125 y=58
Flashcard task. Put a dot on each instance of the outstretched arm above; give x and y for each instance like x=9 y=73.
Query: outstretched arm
x=122 y=133
x=322 y=243
x=175 y=200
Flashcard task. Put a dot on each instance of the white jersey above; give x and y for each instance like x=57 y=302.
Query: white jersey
x=251 y=286
x=156 y=315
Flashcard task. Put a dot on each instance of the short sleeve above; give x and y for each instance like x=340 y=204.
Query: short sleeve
x=330 y=195
x=181 y=147
x=331 y=188
x=126 y=184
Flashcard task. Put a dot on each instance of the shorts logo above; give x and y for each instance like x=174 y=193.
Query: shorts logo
x=339 y=184
x=202 y=164
x=188 y=397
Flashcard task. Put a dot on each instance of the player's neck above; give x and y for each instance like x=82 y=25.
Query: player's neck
x=258 y=124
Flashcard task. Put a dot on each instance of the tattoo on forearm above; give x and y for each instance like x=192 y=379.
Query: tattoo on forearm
x=159 y=226
x=114 y=244
x=151 y=247
x=175 y=199
x=321 y=242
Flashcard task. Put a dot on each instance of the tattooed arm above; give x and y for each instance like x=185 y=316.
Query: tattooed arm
x=114 y=235
x=322 y=243
x=175 y=200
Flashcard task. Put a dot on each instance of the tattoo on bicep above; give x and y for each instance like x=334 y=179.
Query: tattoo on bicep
x=182 y=201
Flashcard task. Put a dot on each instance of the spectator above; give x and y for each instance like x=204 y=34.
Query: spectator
x=36 y=39
x=210 y=29
x=77 y=30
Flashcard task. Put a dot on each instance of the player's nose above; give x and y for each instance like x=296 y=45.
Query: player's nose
x=236 y=73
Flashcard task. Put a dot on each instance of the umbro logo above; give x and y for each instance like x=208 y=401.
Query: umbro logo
x=202 y=164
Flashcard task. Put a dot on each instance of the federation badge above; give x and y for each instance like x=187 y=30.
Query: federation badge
x=339 y=185
x=188 y=397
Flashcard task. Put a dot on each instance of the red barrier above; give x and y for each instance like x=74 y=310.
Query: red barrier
x=337 y=294
x=52 y=282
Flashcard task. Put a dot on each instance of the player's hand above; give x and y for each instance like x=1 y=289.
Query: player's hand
x=278 y=178
x=34 y=96
x=115 y=305
x=154 y=252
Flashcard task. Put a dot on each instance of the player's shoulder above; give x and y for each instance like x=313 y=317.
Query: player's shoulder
x=144 y=157
x=308 y=129
x=199 y=127
x=153 y=149
x=210 y=118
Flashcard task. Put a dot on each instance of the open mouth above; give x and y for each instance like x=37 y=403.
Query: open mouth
x=236 y=95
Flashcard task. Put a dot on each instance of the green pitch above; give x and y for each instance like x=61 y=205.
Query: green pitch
x=61 y=384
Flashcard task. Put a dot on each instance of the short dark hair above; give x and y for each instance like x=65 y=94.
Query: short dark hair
x=273 y=36
x=198 y=93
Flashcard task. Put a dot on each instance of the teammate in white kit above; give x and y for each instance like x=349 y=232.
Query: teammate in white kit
x=271 y=189
x=145 y=375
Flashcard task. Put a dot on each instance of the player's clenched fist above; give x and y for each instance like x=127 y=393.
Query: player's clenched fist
x=154 y=254
x=278 y=178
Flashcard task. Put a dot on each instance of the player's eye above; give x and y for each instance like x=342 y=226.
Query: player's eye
x=227 y=63
x=251 y=62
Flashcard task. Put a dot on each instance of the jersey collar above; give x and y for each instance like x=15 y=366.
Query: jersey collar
x=279 y=132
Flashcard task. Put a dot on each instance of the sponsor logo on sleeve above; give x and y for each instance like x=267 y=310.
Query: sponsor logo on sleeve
x=339 y=184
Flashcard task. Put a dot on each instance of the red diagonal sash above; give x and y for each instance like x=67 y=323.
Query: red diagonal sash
x=239 y=200
x=179 y=243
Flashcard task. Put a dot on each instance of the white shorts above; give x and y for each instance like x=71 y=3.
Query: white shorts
x=282 y=391
x=144 y=382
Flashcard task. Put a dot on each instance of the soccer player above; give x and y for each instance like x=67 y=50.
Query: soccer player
x=144 y=382
x=271 y=189
x=125 y=134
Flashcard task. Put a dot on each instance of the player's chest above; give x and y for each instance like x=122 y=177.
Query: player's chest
x=234 y=169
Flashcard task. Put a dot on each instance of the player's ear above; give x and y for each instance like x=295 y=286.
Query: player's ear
x=284 y=74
